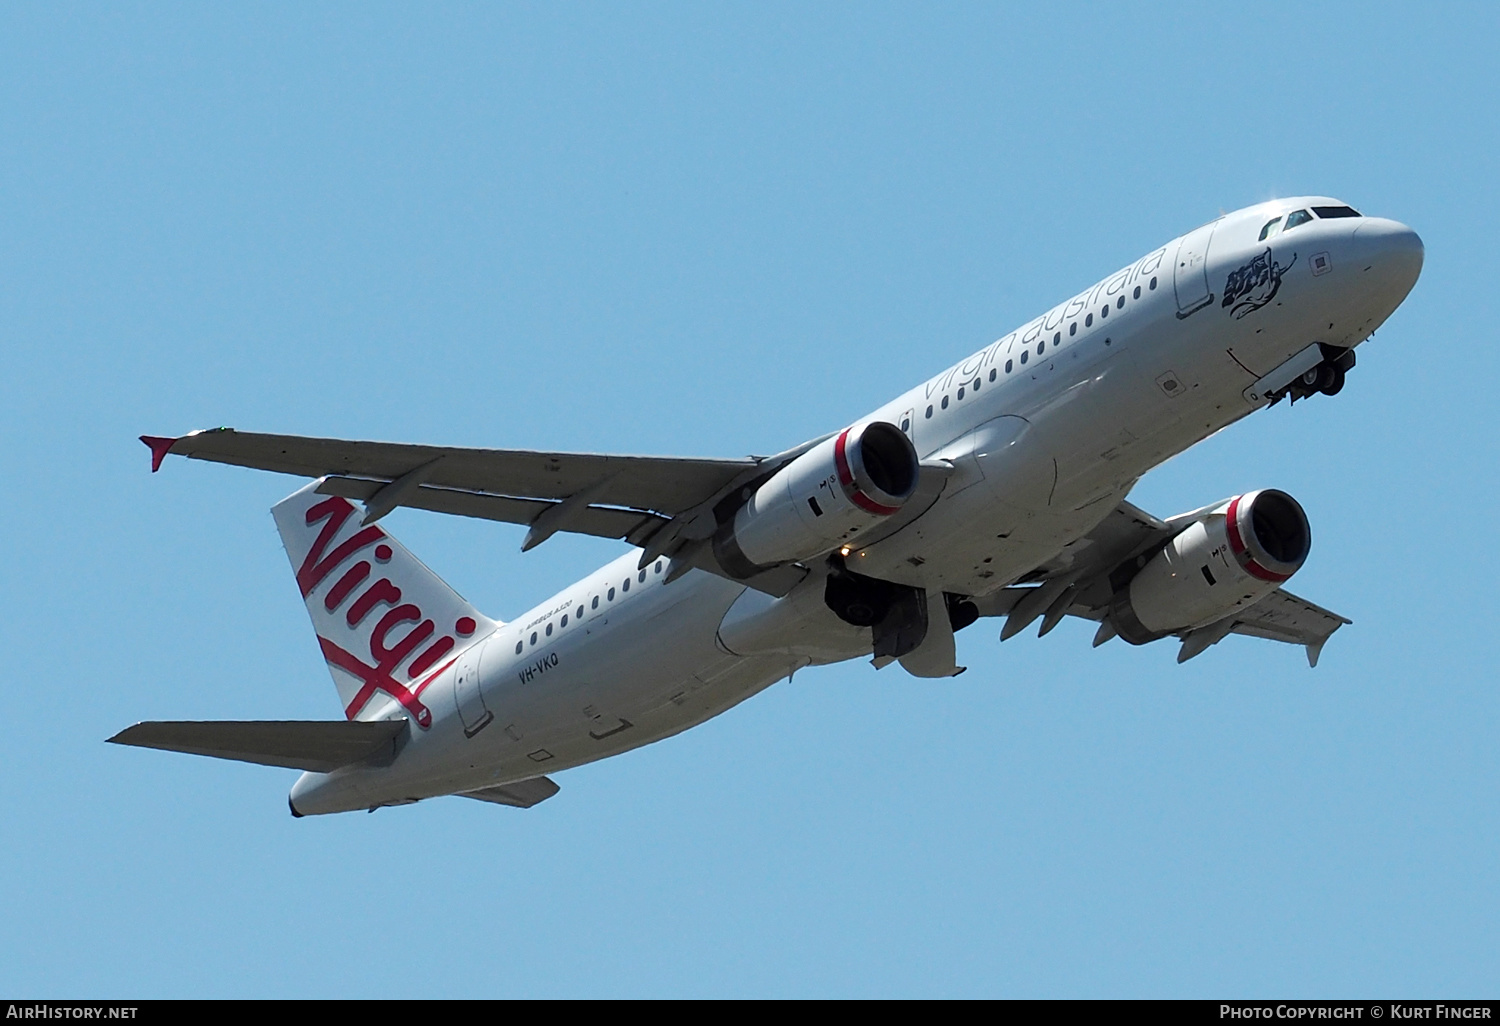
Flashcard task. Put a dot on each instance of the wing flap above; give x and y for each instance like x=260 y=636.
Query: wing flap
x=318 y=745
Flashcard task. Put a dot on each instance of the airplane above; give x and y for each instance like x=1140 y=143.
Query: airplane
x=996 y=488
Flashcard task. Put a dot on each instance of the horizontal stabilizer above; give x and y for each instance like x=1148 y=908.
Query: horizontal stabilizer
x=521 y=795
x=318 y=745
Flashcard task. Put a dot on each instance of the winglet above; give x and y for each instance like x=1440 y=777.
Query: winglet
x=159 y=448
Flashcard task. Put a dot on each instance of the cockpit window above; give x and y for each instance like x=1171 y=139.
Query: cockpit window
x=1336 y=212
x=1272 y=227
x=1295 y=218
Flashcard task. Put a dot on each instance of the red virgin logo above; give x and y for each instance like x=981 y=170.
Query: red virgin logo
x=362 y=602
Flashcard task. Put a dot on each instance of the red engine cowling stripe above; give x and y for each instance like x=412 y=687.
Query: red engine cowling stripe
x=846 y=480
x=1241 y=553
x=841 y=461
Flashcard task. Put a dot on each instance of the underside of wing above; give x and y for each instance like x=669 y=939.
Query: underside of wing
x=1282 y=616
x=664 y=504
x=664 y=484
x=1086 y=579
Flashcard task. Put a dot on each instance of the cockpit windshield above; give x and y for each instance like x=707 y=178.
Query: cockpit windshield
x=1277 y=225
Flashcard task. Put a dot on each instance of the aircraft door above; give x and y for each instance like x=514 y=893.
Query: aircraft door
x=1190 y=274
x=467 y=695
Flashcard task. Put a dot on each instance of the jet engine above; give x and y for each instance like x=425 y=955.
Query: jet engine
x=1230 y=558
x=820 y=499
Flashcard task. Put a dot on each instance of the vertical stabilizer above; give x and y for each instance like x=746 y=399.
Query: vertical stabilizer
x=387 y=625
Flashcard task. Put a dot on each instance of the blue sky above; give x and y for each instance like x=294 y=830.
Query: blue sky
x=717 y=230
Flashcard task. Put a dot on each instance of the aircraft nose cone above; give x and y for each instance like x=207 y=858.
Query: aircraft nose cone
x=1394 y=250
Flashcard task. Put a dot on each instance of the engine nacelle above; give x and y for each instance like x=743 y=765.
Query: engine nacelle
x=821 y=499
x=1232 y=557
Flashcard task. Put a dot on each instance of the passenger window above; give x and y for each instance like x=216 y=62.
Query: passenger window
x=1056 y=338
x=533 y=637
x=945 y=402
x=578 y=615
x=1104 y=311
x=1120 y=303
x=564 y=620
x=641 y=577
x=1041 y=347
x=611 y=596
x=1272 y=227
x=1008 y=365
x=1153 y=284
x=960 y=391
x=905 y=427
x=1295 y=218
x=625 y=585
x=549 y=630
x=1137 y=292
x=992 y=374
x=1088 y=322
x=1024 y=354
x=519 y=646
x=1073 y=328
x=929 y=413
x=594 y=604
x=658 y=566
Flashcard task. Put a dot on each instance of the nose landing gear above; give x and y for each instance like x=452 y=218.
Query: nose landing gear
x=1324 y=378
x=1327 y=378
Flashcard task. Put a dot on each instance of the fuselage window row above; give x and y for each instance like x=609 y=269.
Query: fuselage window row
x=1041 y=348
x=577 y=615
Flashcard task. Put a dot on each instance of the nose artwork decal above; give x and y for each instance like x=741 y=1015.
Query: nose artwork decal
x=1252 y=286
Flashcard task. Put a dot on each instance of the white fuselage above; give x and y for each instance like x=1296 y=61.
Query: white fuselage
x=1046 y=430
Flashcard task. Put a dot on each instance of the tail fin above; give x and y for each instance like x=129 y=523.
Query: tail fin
x=388 y=626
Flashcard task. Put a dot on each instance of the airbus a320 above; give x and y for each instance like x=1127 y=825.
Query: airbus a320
x=996 y=488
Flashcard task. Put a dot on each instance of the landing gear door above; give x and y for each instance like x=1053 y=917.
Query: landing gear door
x=1190 y=273
x=467 y=695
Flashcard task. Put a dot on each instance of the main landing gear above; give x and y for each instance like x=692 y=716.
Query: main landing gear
x=896 y=613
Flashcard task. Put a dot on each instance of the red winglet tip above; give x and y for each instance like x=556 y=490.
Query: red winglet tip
x=159 y=448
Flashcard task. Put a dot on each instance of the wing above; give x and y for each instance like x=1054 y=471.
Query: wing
x=667 y=485
x=662 y=503
x=1282 y=616
x=1083 y=578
